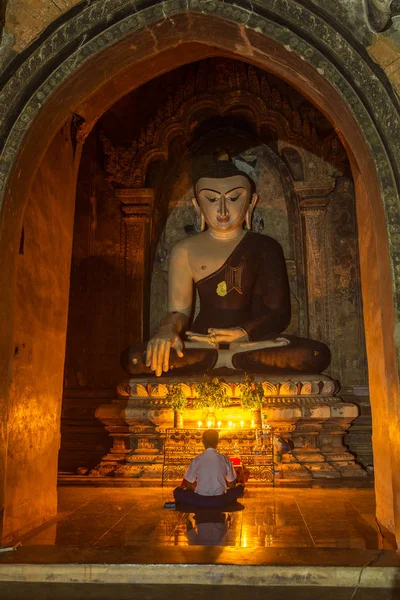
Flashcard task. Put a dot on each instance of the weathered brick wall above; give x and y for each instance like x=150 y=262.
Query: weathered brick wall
x=24 y=20
x=385 y=50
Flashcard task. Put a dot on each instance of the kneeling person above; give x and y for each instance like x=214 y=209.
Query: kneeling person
x=208 y=477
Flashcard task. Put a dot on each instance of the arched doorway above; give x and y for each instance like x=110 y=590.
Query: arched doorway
x=63 y=89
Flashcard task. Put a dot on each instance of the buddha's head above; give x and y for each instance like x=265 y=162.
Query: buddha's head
x=224 y=197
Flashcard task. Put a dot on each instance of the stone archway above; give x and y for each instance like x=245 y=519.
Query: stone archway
x=63 y=73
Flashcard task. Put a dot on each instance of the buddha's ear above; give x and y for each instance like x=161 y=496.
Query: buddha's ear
x=199 y=213
x=249 y=211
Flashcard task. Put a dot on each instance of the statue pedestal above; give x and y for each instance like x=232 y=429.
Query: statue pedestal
x=301 y=408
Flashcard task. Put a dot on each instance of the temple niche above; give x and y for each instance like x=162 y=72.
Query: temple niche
x=134 y=203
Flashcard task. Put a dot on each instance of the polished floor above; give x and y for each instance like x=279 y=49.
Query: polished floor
x=270 y=518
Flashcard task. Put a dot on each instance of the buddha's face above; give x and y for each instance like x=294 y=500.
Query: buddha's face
x=224 y=202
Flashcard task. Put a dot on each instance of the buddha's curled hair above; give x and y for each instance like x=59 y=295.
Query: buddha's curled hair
x=219 y=169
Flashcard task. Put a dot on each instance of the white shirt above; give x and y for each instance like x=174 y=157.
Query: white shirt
x=210 y=470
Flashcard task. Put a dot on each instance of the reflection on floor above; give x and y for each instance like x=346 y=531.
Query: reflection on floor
x=330 y=518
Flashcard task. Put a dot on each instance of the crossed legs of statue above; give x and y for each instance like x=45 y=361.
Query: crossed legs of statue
x=303 y=355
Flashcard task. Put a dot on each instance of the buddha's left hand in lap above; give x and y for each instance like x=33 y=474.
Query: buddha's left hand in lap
x=216 y=336
x=236 y=337
x=264 y=344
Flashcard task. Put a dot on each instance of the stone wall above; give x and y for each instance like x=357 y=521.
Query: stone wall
x=26 y=19
x=39 y=344
x=93 y=337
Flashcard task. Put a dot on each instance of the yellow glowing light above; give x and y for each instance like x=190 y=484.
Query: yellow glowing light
x=208 y=424
x=252 y=423
x=219 y=424
x=244 y=537
x=241 y=423
x=199 y=424
x=234 y=426
x=230 y=424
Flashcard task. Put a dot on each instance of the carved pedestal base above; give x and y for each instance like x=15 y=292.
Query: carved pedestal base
x=302 y=409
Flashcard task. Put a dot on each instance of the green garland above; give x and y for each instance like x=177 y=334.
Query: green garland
x=176 y=397
x=211 y=394
x=251 y=394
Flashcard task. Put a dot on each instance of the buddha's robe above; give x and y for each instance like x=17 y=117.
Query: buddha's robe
x=250 y=291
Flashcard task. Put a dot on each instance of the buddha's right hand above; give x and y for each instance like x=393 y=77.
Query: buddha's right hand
x=159 y=348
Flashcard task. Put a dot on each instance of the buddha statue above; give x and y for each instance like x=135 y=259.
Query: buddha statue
x=243 y=287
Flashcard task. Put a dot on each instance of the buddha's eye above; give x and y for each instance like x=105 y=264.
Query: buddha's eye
x=234 y=198
x=211 y=199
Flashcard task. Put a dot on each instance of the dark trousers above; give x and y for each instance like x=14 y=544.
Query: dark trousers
x=190 y=498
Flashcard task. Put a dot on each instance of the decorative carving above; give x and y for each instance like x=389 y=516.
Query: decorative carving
x=275 y=391
x=158 y=390
x=349 y=361
x=302 y=412
x=313 y=207
x=181 y=445
x=329 y=387
x=313 y=193
x=309 y=388
x=228 y=389
x=269 y=388
x=288 y=389
x=136 y=206
x=379 y=13
x=220 y=86
x=140 y=390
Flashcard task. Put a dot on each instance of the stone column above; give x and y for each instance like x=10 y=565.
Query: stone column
x=314 y=200
x=331 y=441
x=359 y=436
x=137 y=209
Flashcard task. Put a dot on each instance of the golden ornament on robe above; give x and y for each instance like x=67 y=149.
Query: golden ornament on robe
x=221 y=288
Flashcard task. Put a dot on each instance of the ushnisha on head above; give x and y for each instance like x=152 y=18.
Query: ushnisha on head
x=225 y=197
x=210 y=438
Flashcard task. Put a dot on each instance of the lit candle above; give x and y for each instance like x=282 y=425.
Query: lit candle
x=230 y=424
x=208 y=424
x=219 y=424
x=252 y=423
x=241 y=423
x=199 y=424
